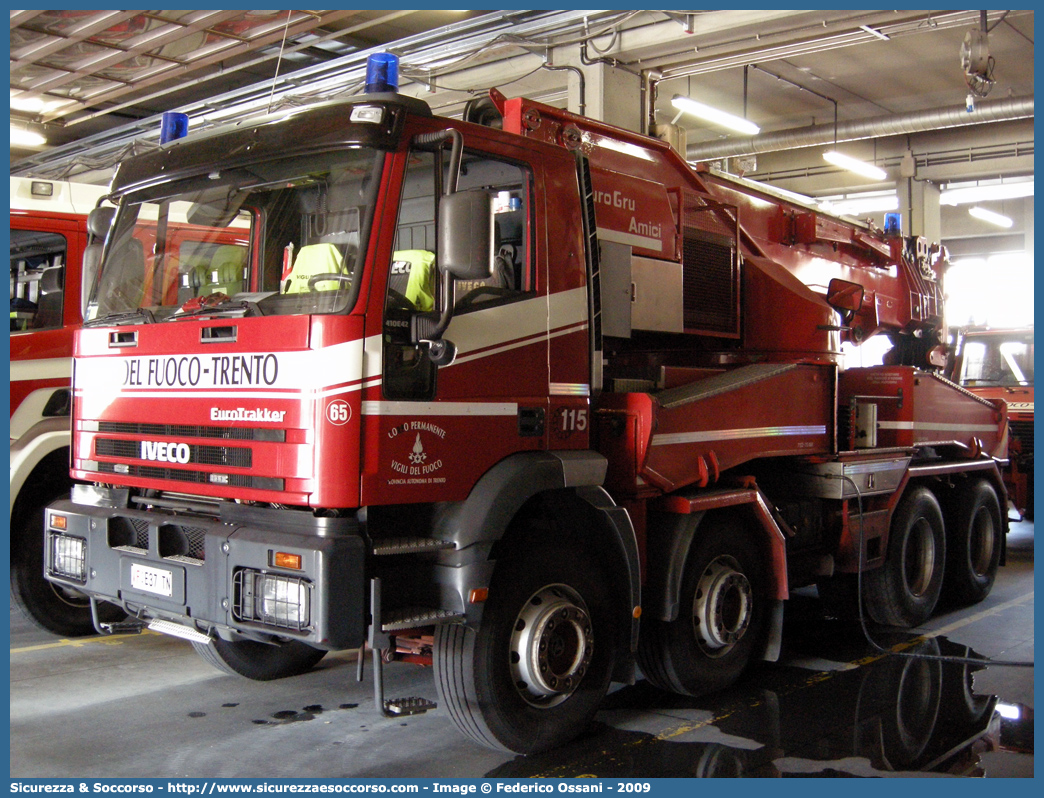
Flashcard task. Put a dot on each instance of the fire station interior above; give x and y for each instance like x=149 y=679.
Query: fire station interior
x=938 y=103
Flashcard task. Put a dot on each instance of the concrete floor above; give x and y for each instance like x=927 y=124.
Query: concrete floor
x=147 y=706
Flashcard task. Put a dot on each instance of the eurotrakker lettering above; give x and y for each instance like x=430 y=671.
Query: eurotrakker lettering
x=261 y=414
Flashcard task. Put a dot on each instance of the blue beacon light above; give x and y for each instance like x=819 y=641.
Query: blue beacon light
x=173 y=125
x=382 y=73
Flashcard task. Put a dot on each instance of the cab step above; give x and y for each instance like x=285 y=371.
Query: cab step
x=411 y=617
x=414 y=705
x=388 y=546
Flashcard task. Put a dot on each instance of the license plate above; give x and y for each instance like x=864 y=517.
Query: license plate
x=152 y=580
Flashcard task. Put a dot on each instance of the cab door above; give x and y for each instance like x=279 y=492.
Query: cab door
x=431 y=431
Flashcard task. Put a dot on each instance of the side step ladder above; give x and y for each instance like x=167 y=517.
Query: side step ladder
x=379 y=638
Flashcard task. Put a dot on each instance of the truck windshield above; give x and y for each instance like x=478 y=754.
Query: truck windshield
x=285 y=237
x=998 y=360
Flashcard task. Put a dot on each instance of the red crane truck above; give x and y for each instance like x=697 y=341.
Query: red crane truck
x=533 y=401
x=49 y=239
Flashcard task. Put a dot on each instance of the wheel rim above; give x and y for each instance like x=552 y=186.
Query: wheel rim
x=722 y=606
x=551 y=646
x=981 y=542
x=919 y=558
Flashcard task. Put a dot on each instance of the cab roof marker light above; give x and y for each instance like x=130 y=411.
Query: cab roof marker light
x=373 y=114
x=382 y=73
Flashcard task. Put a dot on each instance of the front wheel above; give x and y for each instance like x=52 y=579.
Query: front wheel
x=260 y=662
x=721 y=617
x=534 y=672
x=903 y=592
x=54 y=608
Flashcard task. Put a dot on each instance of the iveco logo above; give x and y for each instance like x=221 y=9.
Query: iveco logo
x=165 y=452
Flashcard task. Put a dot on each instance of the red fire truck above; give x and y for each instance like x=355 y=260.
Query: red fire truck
x=532 y=401
x=998 y=364
x=49 y=237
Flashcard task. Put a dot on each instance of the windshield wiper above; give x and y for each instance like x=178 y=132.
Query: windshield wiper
x=142 y=315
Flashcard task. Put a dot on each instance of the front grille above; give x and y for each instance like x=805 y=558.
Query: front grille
x=197 y=477
x=191 y=431
x=129 y=534
x=183 y=543
x=226 y=456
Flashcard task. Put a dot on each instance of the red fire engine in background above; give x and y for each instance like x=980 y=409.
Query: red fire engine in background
x=533 y=401
x=49 y=237
x=998 y=364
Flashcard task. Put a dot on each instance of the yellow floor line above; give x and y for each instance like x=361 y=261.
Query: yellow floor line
x=107 y=640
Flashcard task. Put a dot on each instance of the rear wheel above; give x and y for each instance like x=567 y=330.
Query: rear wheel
x=721 y=617
x=54 y=608
x=260 y=662
x=534 y=672
x=904 y=591
x=901 y=698
x=975 y=543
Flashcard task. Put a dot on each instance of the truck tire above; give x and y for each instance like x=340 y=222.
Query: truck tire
x=973 y=551
x=901 y=699
x=533 y=674
x=260 y=662
x=721 y=617
x=60 y=610
x=904 y=591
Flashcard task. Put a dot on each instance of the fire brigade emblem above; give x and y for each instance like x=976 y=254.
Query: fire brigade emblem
x=417 y=463
x=418 y=456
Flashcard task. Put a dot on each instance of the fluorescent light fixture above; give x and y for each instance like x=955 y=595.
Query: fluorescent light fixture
x=987 y=193
x=714 y=115
x=854 y=165
x=21 y=101
x=883 y=36
x=857 y=206
x=20 y=137
x=990 y=216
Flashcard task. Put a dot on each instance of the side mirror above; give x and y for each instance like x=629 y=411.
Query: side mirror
x=466 y=235
x=845 y=296
x=99 y=221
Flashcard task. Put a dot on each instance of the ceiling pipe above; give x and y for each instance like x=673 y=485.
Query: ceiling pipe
x=876 y=127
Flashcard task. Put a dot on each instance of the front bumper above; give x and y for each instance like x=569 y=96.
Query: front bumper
x=246 y=572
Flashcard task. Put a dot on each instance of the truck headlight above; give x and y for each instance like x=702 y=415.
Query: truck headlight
x=284 y=601
x=272 y=599
x=68 y=557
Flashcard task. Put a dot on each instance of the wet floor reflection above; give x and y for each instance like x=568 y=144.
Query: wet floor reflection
x=829 y=717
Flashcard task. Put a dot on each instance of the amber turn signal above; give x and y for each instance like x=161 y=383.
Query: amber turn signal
x=283 y=560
